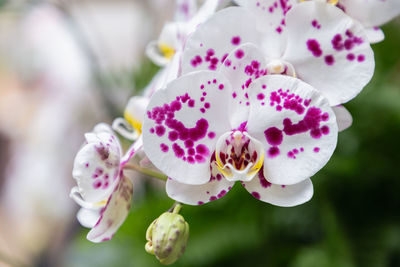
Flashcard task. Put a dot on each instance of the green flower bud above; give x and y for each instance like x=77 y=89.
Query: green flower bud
x=167 y=237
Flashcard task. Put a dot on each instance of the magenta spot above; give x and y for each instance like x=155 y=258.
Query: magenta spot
x=329 y=60
x=200 y=203
x=274 y=136
x=260 y=96
x=290 y=154
x=212 y=198
x=350 y=57
x=87 y=165
x=202 y=110
x=221 y=86
x=273 y=152
x=316 y=133
x=173 y=136
x=176 y=105
x=189 y=143
x=219 y=177
x=202 y=87
x=202 y=149
x=239 y=53
x=263 y=182
x=316 y=149
x=151 y=130
x=210 y=52
x=202 y=99
x=191 y=103
x=314 y=47
x=207 y=105
x=221 y=194
x=105 y=185
x=214 y=81
x=236 y=40
x=97 y=184
x=179 y=152
x=103 y=152
x=325 y=116
x=325 y=130
x=256 y=195
x=211 y=135
x=360 y=58
x=160 y=130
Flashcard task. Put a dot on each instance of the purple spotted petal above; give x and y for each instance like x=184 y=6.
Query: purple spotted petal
x=279 y=195
x=372 y=12
x=329 y=50
x=270 y=15
x=97 y=165
x=242 y=66
x=183 y=123
x=114 y=213
x=208 y=47
x=296 y=126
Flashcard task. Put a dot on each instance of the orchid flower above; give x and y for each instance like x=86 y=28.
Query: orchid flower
x=319 y=44
x=370 y=13
x=103 y=192
x=271 y=136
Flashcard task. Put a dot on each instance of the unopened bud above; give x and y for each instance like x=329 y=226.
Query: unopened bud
x=167 y=237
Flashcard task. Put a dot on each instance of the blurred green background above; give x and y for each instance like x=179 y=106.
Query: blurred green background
x=352 y=220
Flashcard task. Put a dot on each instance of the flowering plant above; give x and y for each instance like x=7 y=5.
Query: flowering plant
x=250 y=94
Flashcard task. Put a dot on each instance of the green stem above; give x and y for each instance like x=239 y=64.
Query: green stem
x=177 y=208
x=146 y=171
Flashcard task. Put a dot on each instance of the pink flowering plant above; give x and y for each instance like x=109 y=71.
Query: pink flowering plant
x=251 y=93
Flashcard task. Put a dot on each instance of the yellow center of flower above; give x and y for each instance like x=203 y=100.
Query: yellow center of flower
x=238 y=161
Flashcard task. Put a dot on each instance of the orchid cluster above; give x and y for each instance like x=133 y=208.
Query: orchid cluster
x=250 y=93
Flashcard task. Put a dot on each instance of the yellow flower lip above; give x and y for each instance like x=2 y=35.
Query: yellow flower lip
x=167 y=50
x=239 y=166
x=134 y=122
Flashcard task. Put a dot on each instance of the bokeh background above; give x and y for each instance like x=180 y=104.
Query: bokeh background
x=67 y=65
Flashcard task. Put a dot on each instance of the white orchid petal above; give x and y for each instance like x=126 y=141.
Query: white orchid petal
x=213 y=40
x=183 y=124
x=114 y=213
x=215 y=188
x=296 y=126
x=279 y=195
x=242 y=66
x=375 y=35
x=371 y=12
x=88 y=217
x=329 y=50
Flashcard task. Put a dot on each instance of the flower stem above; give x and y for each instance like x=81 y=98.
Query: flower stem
x=177 y=208
x=146 y=171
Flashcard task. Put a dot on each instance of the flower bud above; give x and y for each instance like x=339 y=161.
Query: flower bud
x=167 y=237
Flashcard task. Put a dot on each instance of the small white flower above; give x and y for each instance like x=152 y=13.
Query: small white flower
x=103 y=192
